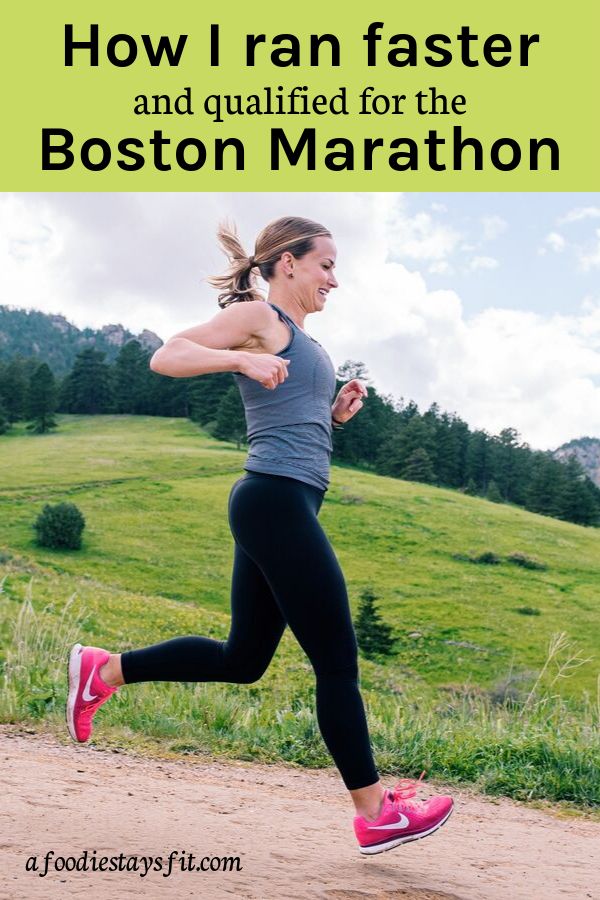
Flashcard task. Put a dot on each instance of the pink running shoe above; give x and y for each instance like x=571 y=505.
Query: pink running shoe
x=402 y=820
x=87 y=691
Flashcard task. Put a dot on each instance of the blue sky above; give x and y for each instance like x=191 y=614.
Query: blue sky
x=487 y=304
x=529 y=271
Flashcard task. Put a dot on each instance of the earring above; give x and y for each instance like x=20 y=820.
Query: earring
x=290 y=275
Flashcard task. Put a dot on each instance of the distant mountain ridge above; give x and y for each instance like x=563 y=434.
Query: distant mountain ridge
x=51 y=338
x=587 y=451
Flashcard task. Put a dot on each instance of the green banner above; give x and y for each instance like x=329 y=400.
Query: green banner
x=185 y=96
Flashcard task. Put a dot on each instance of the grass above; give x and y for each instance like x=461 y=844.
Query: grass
x=542 y=748
x=482 y=690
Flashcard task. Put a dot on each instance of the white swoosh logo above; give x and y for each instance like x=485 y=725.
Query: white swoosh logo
x=401 y=823
x=86 y=691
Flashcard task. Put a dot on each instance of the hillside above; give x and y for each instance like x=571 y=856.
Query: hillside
x=154 y=495
x=54 y=340
x=476 y=591
x=587 y=451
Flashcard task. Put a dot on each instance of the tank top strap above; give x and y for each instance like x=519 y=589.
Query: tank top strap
x=283 y=315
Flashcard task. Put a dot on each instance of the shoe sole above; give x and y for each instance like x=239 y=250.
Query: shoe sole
x=74 y=679
x=389 y=845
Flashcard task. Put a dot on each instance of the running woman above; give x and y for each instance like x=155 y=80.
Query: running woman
x=285 y=571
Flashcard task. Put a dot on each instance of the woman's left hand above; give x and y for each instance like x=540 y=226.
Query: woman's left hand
x=348 y=401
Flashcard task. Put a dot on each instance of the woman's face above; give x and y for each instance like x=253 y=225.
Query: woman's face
x=313 y=274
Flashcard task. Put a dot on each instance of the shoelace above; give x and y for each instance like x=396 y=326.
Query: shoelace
x=407 y=787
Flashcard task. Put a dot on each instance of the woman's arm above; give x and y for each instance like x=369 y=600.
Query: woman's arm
x=206 y=348
x=182 y=358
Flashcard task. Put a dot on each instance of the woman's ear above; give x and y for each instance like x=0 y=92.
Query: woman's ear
x=287 y=263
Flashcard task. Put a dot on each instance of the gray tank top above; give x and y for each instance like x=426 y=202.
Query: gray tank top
x=289 y=428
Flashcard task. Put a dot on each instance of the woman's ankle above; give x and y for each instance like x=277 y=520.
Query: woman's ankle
x=111 y=672
x=373 y=812
x=368 y=801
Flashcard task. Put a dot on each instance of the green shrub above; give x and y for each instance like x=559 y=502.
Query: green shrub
x=350 y=498
x=60 y=526
x=526 y=562
x=528 y=610
x=511 y=689
x=487 y=559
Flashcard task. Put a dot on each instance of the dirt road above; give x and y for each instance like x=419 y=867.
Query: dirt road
x=290 y=828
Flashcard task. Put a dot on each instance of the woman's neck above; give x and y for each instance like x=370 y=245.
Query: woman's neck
x=295 y=312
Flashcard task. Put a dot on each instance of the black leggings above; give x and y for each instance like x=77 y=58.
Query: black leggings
x=284 y=573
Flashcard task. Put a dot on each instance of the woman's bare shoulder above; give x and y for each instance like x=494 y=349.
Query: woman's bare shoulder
x=240 y=325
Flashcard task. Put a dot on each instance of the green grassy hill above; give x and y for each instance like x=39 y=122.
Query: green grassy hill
x=154 y=495
x=156 y=562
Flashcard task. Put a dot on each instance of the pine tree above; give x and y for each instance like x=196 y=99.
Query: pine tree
x=579 y=498
x=353 y=368
x=231 y=421
x=471 y=488
x=449 y=447
x=503 y=460
x=130 y=379
x=418 y=467
x=167 y=396
x=374 y=636
x=546 y=486
x=5 y=424
x=358 y=443
x=390 y=457
x=87 y=388
x=41 y=400
x=13 y=389
x=408 y=411
x=460 y=433
x=436 y=450
x=414 y=433
x=477 y=462
x=205 y=394
x=493 y=492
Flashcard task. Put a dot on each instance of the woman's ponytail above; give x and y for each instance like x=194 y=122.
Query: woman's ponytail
x=238 y=282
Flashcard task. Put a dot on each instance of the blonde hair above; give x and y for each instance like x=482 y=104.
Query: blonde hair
x=238 y=283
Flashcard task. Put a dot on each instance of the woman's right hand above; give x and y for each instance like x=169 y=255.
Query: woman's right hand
x=265 y=368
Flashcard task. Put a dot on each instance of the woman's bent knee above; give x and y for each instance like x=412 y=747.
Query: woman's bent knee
x=246 y=672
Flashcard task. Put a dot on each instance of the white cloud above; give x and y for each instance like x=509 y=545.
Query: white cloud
x=30 y=251
x=555 y=241
x=483 y=262
x=440 y=267
x=589 y=256
x=420 y=237
x=540 y=375
x=579 y=213
x=493 y=227
x=140 y=259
